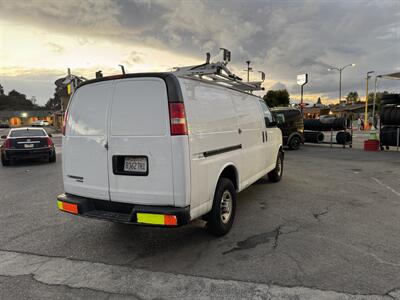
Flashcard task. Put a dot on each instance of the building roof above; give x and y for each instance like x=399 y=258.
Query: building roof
x=351 y=107
x=21 y=113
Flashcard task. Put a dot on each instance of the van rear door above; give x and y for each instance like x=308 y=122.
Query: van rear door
x=139 y=155
x=85 y=169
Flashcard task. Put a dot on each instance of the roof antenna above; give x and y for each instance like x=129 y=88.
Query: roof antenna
x=99 y=74
x=122 y=69
x=208 y=58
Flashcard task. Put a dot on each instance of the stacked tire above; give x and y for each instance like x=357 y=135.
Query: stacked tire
x=326 y=125
x=343 y=137
x=390 y=120
x=314 y=137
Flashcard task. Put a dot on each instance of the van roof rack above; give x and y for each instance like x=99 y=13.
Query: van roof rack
x=218 y=72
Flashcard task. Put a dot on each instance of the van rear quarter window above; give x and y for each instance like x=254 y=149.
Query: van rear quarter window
x=87 y=114
x=140 y=108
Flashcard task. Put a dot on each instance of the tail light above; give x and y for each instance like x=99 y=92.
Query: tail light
x=65 y=119
x=49 y=142
x=7 y=144
x=178 y=119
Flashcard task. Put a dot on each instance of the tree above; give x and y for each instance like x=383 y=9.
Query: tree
x=277 y=98
x=319 y=100
x=54 y=103
x=352 y=97
x=378 y=99
x=1 y=90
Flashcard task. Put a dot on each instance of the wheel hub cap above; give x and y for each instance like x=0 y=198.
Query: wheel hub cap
x=226 y=207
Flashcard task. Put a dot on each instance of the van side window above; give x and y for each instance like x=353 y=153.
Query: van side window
x=267 y=114
x=280 y=118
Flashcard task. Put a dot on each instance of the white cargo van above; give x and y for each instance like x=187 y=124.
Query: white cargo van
x=160 y=149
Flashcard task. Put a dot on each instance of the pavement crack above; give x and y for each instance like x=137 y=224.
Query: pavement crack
x=262 y=238
x=317 y=215
x=324 y=212
x=277 y=234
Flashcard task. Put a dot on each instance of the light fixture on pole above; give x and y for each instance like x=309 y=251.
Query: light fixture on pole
x=366 y=124
x=340 y=77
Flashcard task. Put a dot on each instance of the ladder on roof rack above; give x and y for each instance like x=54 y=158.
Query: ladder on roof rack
x=219 y=73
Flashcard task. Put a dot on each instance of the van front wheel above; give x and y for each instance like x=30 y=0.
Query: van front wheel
x=222 y=214
x=276 y=174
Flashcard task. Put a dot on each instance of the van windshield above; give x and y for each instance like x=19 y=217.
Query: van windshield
x=27 y=133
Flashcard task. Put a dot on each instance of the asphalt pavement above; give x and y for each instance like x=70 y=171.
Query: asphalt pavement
x=329 y=230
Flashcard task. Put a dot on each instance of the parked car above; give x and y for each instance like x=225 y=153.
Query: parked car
x=290 y=121
x=24 y=143
x=157 y=149
x=40 y=123
x=4 y=125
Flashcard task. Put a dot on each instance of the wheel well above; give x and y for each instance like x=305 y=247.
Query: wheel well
x=230 y=173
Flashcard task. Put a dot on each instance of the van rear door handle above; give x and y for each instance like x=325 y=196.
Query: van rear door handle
x=240 y=131
x=106 y=145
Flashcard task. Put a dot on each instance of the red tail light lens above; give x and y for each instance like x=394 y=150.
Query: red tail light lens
x=49 y=142
x=178 y=119
x=65 y=119
x=7 y=144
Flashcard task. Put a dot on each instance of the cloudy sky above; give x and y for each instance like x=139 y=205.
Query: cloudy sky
x=40 y=39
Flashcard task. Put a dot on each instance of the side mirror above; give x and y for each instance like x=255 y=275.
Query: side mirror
x=50 y=135
x=273 y=124
x=3 y=137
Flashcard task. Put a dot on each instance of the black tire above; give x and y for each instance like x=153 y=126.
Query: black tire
x=222 y=214
x=390 y=99
x=53 y=157
x=398 y=116
x=5 y=162
x=393 y=114
x=294 y=143
x=276 y=174
x=388 y=113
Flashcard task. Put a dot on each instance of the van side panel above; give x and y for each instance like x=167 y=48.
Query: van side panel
x=213 y=139
x=85 y=169
x=250 y=120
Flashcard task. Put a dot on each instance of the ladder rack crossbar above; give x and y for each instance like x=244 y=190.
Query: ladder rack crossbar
x=218 y=73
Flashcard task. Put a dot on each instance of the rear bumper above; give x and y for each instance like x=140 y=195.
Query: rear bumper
x=122 y=212
x=28 y=153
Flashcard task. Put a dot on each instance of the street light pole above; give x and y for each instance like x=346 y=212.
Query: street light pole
x=340 y=77
x=340 y=85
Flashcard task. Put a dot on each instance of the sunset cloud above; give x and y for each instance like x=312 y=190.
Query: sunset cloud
x=282 y=38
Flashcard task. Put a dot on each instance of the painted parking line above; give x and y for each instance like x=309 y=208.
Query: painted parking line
x=386 y=186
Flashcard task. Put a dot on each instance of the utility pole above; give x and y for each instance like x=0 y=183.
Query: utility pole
x=366 y=124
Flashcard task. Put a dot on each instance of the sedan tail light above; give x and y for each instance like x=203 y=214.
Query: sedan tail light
x=49 y=142
x=7 y=144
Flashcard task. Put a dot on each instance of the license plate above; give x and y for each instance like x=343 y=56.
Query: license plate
x=135 y=164
x=28 y=145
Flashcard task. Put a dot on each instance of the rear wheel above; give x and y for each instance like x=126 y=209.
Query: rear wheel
x=222 y=214
x=53 y=157
x=294 y=143
x=5 y=162
x=276 y=174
